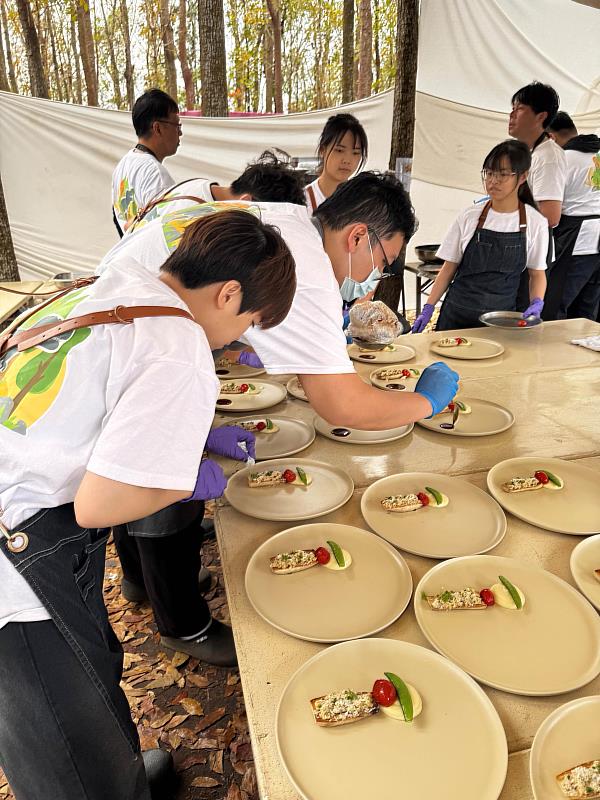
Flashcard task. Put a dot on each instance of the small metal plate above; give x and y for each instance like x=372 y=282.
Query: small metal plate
x=509 y=319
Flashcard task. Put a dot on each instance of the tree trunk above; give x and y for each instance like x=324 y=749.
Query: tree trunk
x=77 y=91
x=376 y=29
x=113 y=68
x=365 y=71
x=275 y=15
x=188 y=78
x=407 y=42
x=127 y=44
x=86 y=48
x=4 y=84
x=8 y=262
x=166 y=30
x=268 y=62
x=12 y=80
x=213 y=65
x=348 y=52
x=37 y=78
x=57 y=75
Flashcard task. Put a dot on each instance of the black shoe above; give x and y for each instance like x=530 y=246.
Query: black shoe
x=216 y=646
x=135 y=593
x=160 y=774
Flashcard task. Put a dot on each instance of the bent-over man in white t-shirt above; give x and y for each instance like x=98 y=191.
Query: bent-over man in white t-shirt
x=140 y=175
x=101 y=425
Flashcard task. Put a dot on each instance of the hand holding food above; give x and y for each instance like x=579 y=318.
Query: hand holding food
x=225 y=441
x=210 y=483
x=438 y=384
x=248 y=359
x=534 y=309
x=424 y=318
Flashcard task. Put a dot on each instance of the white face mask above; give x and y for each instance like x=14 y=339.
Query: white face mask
x=353 y=290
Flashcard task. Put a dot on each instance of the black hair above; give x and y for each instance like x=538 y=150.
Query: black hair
x=518 y=156
x=334 y=131
x=562 y=122
x=271 y=179
x=236 y=245
x=149 y=107
x=376 y=199
x=540 y=97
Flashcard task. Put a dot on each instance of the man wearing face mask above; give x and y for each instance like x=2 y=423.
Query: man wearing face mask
x=342 y=249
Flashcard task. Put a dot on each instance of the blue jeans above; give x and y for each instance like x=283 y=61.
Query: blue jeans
x=66 y=731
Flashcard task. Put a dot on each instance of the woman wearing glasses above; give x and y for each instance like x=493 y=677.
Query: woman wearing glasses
x=486 y=250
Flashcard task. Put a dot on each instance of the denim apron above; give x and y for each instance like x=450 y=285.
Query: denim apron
x=488 y=276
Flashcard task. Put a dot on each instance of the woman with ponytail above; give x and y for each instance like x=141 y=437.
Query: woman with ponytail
x=486 y=250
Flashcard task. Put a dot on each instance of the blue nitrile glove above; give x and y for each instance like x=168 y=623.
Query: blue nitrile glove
x=210 y=483
x=248 y=359
x=225 y=442
x=438 y=383
x=534 y=309
x=423 y=319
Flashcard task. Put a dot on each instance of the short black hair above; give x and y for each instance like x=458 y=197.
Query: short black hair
x=334 y=131
x=376 y=199
x=235 y=245
x=562 y=122
x=149 y=107
x=271 y=179
x=540 y=97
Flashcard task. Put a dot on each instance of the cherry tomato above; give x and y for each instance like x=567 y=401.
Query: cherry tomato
x=323 y=555
x=451 y=406
x=423 y=498
x=487 y=596
x=384 y=693
x=459 y=340
x=541 y=476
x=260 y=426
x=289 y=476
x=406 y=373
x=522 y=323
x=244 y=387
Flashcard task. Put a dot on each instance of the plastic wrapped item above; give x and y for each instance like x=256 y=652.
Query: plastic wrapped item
x=374 y=322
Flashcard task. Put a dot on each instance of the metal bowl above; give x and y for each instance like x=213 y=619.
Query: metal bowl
x=370 y=345
x=509 y=320
x=427 y=253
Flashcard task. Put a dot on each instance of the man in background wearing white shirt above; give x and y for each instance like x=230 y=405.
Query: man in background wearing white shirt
x=533 y=108
x=140 y=175
x=578 y=233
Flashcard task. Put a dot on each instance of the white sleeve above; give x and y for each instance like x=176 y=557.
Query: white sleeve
x=537 y=243
x=151 y=181
x=451 y=248
x=155 y=433
x=547 y=180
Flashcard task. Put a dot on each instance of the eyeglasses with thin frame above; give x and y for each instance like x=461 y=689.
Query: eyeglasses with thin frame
x=168 y=122
x=501 y=176
x=387 y=265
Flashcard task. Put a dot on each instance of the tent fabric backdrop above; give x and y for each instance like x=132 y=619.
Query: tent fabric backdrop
x=56 y=159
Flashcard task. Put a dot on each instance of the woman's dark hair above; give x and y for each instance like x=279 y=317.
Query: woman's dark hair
x=149 y=107
x=540 y=97
x=234 y=245
x=334 y=131
x=519 y=157
x=376 y=199
x=271 y=179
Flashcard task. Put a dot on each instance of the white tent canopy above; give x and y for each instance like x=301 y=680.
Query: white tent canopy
x=56 y=159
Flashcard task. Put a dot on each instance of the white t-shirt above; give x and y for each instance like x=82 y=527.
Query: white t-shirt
x=319 y=196
x=548 y=172
x=137 y=179
x=464 y=226
x=133 y=403
x=197 y=187
x=582 y=199
x=310 y=339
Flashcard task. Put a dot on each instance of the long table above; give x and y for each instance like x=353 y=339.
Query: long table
x=553 y=389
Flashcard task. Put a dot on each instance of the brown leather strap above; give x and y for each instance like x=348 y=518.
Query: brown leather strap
x=522 y=216
x=165 y=197
x=123 y=315
x=312 y=198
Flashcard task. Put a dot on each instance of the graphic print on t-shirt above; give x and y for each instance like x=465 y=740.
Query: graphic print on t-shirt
x=593 y=178
x=31 y=380
x=174 y=223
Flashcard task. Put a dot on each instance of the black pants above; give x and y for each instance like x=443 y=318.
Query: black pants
x=581 y=293
x=167 y=565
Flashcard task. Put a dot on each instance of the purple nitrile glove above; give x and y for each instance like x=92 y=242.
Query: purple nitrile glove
x=225 y=442
x=534 y=309
x=248 y=359
x=210 y=483
x=423 y=319
x=438 y=384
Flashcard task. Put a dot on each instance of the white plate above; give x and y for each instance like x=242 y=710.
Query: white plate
x=569 y=736
x=400 y=384
x=236 y=371
x=485 y=419
x=353 y=436
x=294 y=387
x=293 y=435
x=455 y=749
x=331 y=488
x=401 y=352
x=585 y=558
x=270 y=395
x=478 y=349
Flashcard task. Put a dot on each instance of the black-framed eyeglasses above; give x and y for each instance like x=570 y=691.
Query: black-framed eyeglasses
x=390 y=268
x=168 y=122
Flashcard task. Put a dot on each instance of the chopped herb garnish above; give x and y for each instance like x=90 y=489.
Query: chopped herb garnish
x=446 y=597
